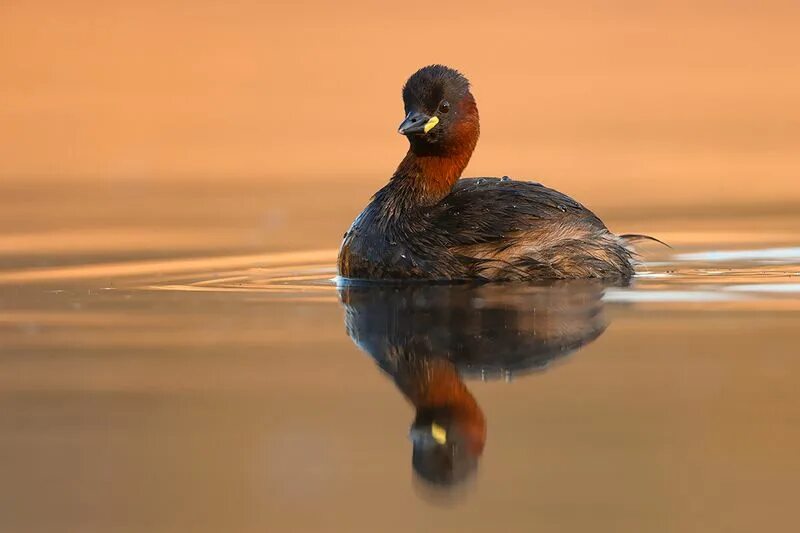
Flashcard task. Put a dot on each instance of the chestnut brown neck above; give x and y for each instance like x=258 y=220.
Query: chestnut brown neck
x=431 y=177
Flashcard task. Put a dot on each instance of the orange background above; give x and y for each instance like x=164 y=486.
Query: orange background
x=613 y=102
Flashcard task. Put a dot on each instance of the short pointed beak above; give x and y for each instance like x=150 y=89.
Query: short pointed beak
x=428 y=435
x=421 y=436
x=413 y=123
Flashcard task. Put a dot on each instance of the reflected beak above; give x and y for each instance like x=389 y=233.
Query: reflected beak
x=428 y=436
x=416 y=122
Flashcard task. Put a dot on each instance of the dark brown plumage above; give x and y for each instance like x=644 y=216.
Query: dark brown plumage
x=426 y=223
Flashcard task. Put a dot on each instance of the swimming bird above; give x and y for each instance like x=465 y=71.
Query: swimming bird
x=429 y=223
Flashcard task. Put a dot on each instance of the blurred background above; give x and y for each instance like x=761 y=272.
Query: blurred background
x=618 y=103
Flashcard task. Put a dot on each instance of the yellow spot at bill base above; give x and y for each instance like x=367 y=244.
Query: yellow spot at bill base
x=432 y=122
x=438 y=432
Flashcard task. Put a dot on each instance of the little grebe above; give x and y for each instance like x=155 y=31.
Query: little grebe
x=426 y=223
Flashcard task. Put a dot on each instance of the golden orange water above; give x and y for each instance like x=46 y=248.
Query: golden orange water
x=175 y=358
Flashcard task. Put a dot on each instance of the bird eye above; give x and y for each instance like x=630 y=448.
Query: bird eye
x=444 y=107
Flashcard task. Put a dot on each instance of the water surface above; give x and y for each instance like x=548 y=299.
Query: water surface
x=183 y=360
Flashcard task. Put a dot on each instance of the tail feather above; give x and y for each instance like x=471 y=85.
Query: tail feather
x=634 y=237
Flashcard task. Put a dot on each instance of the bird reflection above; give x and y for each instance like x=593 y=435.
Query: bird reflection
x=429 y=338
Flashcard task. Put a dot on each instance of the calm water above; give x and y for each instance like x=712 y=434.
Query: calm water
x=179 y=358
